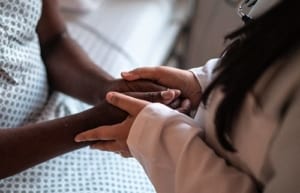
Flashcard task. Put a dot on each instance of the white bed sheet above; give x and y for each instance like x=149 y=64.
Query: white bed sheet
x=124 y=34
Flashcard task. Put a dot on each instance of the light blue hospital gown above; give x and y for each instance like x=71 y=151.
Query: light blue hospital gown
x=25 y=97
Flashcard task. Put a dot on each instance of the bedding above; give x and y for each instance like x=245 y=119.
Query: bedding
x=125 y=34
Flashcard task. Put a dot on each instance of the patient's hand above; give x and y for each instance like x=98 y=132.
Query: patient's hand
x=121 y=85
x=153 y=92
x=114 y=137
x=170 y=77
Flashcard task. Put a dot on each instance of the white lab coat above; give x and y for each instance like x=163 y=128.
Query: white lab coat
x=182 y=155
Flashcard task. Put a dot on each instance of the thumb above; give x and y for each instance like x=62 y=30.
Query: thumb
x=127 y=103
x=140 y=73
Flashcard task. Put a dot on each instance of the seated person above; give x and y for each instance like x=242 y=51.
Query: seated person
x=37 y=61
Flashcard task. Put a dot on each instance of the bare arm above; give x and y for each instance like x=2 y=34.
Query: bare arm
x=70 y=71
x=69 y=68
x=24 y=147
x=21 y=148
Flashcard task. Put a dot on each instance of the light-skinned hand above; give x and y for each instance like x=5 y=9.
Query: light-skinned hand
x=170 y=77
x=114 y=137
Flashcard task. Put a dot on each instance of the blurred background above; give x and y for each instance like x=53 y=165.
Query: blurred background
x=125 y=34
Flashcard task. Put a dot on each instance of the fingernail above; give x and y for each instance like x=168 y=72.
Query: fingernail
x=109 y=96
x=167 y=94
x=77 y=139
x=177 y=92
x=129 y=75
x=125 y=73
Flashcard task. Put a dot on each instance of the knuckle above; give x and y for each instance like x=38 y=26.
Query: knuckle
x=159 y=69
x=98 y=146
x=115 y=99
x=137 y=70
x=152 y=96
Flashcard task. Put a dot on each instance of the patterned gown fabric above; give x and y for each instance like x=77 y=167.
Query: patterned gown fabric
x=25 y=98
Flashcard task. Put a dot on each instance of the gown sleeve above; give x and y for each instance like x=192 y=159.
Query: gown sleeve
x=168 y=145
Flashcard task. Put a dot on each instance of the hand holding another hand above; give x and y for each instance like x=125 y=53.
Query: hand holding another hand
x=140 y=87
x=172 y=78
x=113 y=138
x=151 y=91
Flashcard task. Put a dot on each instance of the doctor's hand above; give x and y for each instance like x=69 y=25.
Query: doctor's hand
x=170 y=77
x=114 y=138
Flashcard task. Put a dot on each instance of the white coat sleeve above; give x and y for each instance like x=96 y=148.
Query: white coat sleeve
x=204 y=74
x=168 y=146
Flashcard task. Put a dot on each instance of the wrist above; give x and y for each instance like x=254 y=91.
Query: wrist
x=106 y=114
x=98 y=90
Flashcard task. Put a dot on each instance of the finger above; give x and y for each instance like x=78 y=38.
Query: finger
x=164 y=97
x=170 y=95
x=111 y=146
x=127 y=103
x=141 y=73
x=175 y=103
x=125 y=154
x=138 y=85
x=99 y=133
x=162 y=74
x=186 y=107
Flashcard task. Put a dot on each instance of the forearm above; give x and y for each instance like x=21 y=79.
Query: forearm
x=69 y=68
x=173 y=151
x=24 y=147
x=72 y=72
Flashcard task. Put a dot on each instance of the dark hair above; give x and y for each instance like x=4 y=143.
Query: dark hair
x=254 y=49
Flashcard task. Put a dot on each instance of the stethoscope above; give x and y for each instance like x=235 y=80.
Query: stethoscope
x=243 y=8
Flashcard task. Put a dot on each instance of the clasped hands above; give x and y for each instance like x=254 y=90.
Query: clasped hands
x=183 y=94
